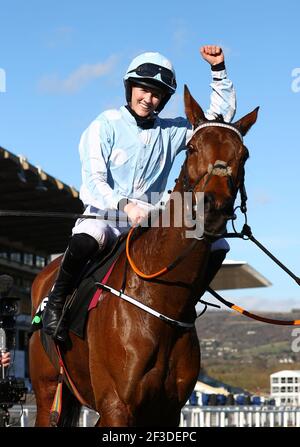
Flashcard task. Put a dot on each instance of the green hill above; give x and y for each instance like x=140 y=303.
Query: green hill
x=244 y=352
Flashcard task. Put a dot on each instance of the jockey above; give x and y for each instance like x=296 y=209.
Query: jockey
x=127 y=154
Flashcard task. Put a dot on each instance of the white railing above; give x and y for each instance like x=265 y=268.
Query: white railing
x=240 y=416
x=194 y=416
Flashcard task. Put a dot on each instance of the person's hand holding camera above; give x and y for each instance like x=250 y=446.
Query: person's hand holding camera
x=5 y=359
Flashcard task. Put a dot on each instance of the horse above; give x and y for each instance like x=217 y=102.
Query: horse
x=131 y=367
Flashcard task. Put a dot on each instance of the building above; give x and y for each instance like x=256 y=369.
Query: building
x=285 y=387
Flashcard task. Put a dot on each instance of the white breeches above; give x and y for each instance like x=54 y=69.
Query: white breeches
x=102 y=230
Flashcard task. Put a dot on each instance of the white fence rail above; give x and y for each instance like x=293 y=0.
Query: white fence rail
x=193 y=416
x=240 y=416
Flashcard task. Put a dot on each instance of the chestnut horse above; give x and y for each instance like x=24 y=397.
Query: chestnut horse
x=133 y=368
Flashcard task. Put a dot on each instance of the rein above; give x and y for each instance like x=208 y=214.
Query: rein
x=250 y=314
x=220 y=168
x=164 y=270
x=246 y=234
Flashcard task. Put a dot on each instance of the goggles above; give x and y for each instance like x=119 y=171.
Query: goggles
x=151 y=70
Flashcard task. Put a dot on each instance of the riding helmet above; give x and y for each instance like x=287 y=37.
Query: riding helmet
x=151 y=70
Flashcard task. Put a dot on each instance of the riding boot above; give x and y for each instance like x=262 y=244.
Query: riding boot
x=80 y=250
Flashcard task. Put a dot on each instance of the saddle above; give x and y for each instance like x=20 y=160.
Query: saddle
x=86 y=295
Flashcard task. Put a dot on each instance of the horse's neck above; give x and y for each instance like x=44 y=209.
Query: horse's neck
x=167 y=240
x=176 y=292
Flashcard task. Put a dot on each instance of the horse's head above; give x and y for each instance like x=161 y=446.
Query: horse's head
x=215 y=163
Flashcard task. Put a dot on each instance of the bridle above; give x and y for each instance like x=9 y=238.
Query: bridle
x=219 y=168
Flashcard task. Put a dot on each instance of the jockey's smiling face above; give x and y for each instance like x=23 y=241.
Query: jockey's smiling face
x=145 y=100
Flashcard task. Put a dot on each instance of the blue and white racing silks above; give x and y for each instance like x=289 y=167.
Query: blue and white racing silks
x=121 y=160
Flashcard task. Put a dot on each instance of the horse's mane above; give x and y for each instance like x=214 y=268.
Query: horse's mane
x=219 y=118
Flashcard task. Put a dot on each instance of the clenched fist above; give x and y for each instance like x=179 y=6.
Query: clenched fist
x=212 y=54
x=135 y=213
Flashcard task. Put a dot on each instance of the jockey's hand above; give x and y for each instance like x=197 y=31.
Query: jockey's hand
x=212 y=54
x=5 y=359
x=135 y=213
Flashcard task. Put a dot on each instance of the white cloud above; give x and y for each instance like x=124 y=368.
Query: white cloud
x=78 y=78
x=61 y=36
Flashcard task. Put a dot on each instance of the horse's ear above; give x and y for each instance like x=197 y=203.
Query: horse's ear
x=245 y=123
x=193 y=111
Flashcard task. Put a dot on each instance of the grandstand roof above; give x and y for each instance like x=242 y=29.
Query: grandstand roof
x=238 y=275
x=25 y=187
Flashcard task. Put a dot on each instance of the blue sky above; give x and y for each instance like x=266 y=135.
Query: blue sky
x=64 y=61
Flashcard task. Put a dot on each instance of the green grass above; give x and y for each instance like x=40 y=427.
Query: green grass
x=252 y=378
x=276 y=348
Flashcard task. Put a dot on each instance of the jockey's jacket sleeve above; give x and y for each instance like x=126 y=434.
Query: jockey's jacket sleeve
x=95 y=148
x=223 y=97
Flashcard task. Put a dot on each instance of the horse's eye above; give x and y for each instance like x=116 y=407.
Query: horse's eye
x=191 y=148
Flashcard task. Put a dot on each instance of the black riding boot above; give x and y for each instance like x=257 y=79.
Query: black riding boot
x=80 y=250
